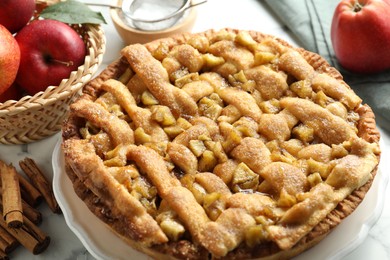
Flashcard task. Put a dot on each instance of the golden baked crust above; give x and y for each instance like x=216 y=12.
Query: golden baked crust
x=182 y=147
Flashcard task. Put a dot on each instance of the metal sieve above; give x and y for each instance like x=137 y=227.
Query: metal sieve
x=154 y=15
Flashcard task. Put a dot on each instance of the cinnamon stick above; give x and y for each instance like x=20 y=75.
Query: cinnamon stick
x=29 y=235
x=7 y=242
x=29 y=193
x=34 y=215
x=11 y=198
x=31 y=213
x=3 y=256
x=39 y=180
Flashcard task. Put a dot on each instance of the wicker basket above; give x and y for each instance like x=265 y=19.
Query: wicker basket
x=35 y=117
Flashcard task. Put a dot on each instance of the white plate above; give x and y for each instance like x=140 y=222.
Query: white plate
x=103 y=244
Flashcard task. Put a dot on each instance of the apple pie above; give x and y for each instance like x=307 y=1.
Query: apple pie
x=227 y=144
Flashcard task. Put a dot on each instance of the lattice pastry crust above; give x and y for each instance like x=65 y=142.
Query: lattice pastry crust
x=223 y=144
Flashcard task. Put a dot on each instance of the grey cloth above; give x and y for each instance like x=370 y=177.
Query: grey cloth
x=310 y=21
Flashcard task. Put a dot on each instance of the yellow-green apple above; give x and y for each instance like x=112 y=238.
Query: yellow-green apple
x=9 y=59
x=360 y=35
x=14 y=14
x=50 y=51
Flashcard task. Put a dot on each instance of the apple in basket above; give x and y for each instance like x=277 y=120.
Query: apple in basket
x=14 y=14
x=50 y=51
x=12 y=93
x=9 y=59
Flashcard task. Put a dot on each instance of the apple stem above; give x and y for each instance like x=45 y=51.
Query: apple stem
x=357 y=7
x=66 y=63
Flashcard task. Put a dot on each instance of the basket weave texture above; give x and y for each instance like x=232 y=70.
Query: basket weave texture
x=35 y=117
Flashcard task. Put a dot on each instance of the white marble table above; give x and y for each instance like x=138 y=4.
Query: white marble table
x=374 y=243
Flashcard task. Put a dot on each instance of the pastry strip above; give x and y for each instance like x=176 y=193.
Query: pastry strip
x=335 y=89
x=118 y=129
x=154 y=167
x=91 y=171
x=242 y=100
x=156 y=79
x=330 y=128
x=140 y=116
x=253 y=153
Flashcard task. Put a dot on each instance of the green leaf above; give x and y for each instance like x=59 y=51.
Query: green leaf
x=72 y=12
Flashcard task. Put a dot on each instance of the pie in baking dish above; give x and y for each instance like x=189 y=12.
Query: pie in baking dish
x=225 y=144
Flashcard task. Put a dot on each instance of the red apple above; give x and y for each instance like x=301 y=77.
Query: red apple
x=14 y=14
x=50 y=51
x=9 y=59
x=12 y=93
x=360 y=35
